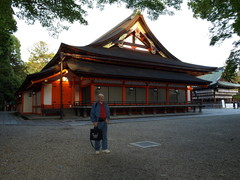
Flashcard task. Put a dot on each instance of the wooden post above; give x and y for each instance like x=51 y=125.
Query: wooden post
x=147 y=94
x=61 y=76
x=123 y=93
x=92 y=93
x=22 y=94
x=42 y=99
x=167 y=95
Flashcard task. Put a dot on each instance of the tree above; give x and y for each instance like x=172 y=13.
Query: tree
x=39 y=57
x=54 y=14
x=230 y=73
x=225 y=18
x=16 y=62
x=7 y=77
x=12 y=71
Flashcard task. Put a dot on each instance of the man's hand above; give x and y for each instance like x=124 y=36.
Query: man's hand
x=107 y=121
x=95 y=124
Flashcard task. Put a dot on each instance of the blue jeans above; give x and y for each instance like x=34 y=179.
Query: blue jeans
x=103 y=126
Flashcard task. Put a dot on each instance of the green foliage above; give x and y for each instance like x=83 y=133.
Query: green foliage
x=8 y=82
x=236 y=97
x=51 y=13
x=154 y=8
x=16 y=62
x=55 y=14
x=12 y=70
x=232 y=64
x=224 y=15
x=39 y=57
x=225 y=18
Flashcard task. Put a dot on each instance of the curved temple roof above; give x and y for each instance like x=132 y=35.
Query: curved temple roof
x=155 y=63
x=215 y=78
x=92 y=69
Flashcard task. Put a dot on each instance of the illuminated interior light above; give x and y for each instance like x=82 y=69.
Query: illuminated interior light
x=127 y=46
x=141 y=49
x=64 y=78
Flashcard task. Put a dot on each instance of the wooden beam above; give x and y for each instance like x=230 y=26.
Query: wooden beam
x=135 y=45
x=65 y=71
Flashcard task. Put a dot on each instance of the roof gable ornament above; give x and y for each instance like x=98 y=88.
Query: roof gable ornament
x=139 y=41
x=133 y=26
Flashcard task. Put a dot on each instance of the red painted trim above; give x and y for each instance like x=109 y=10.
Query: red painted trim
x=186 y=98
x=73 y=90
x=92 y=92
x=157 y=87
x=27 y=113
x=113 y=85
x=42 y=97
x=80 y=92
x=63 y=71
x=191 y=93
x=147 y=94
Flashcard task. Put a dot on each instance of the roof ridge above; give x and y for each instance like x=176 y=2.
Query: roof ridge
x=131 y=17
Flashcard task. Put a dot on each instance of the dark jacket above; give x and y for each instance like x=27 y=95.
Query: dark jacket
x=95 y=111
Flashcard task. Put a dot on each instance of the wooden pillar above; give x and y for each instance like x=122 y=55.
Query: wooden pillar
x=186 y=94
x=42 y=98
x=123 y=93
x=92 y=93
x=73 y=91
x=80 y=94
x=61 y=76
x=33 y=100
x=147 y=94
x=167 y=94
x=22 y=96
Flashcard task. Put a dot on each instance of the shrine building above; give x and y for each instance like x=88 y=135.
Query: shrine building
x=217 y=91
x=128 y=64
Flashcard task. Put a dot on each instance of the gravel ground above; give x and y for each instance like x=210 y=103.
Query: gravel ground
x=191 y=148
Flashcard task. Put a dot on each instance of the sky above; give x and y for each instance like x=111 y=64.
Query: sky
x=185 y=37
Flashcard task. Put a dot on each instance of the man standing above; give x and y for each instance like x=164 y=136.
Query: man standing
x=100 y=116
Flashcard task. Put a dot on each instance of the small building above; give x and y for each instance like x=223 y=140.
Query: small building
x=217 y=91
x=128 y=64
